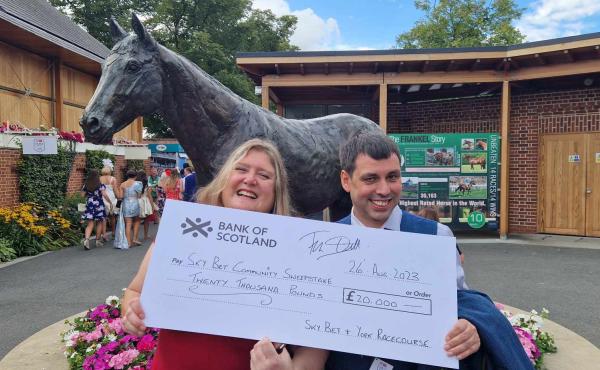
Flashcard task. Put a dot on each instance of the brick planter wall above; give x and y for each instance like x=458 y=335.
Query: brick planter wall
x=566 y=111
x=77 y=176
x=9 y=182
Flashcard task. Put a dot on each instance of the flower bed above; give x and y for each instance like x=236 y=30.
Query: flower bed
x=528 y=328
x=34 y=229
x=97 y=341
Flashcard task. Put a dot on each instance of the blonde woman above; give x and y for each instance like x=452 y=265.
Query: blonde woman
x=110 y=201
x=172 y=185
x=252 y=179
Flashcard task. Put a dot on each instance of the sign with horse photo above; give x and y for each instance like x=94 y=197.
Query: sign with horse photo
x=456 y=174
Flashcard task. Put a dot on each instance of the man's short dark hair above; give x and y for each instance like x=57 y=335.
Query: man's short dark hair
x=374 y=144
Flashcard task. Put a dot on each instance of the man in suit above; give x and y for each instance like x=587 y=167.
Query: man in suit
x=370 y=165
x=189 y=184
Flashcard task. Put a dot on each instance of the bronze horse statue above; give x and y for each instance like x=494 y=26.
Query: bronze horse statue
x=140 y=77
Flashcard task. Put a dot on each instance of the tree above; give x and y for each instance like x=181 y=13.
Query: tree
x=208 y=32
x=463 y=23
x=94 y=15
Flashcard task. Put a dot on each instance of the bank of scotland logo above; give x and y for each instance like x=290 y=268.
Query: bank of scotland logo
x=190 y=226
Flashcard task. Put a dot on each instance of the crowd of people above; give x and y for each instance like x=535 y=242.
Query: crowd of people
x=119 y=210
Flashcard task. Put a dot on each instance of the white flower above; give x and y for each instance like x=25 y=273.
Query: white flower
x=89 y=349
x=534 y=312
x=537 y=319
x=69 y=343
x=66 y=353
x=112 y=300
x=70 y=335
x=73 y=354
x=112 y=337
x=98 y=346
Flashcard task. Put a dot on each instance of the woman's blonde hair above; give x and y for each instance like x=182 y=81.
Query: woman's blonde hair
x=106 y=171
x=212 y=193
x=171 y=180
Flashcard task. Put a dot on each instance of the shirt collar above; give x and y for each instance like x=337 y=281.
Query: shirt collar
x=392 y=223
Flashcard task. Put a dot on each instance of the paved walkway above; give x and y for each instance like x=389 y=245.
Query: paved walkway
x=38 y=292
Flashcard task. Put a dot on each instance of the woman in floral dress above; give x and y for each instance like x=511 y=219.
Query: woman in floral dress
x=95 y=210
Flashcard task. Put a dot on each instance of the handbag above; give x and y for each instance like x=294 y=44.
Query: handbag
x=145 y=207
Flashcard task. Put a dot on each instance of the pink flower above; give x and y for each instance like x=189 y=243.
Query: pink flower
x=117 y=326
x=146 y=343
x=95 y=335
x=126 y=339
x=529 y=345
x=123 y=359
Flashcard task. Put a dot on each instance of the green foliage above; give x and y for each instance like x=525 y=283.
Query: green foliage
x=208 y=32
x=156 y=126
x=93 y=159
x=94 y=15
x=70 y=211
x=43 y=178
x=6 y=251
x=133 y=164
x=463 y=23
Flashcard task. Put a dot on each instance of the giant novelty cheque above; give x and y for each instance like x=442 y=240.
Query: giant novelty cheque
x=244 y=274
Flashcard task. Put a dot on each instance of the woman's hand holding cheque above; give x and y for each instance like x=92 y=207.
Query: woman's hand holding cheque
x=133 y=320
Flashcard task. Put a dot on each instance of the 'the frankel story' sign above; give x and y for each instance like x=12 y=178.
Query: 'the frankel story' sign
x=244 y=274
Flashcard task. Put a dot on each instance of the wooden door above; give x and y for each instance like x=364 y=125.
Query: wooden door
x=593 y=186
x=562 y=192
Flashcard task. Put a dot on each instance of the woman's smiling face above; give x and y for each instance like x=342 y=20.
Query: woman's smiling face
x=251 y=184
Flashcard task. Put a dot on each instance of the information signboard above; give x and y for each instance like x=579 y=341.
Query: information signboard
x=457 y=174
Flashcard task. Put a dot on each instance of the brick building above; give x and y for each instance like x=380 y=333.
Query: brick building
x=543 y=98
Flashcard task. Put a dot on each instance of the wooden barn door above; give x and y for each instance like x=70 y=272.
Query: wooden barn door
x=593 y=185
x=562 y=206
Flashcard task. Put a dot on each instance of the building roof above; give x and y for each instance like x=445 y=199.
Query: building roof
x=548 y=58
x=40 y=18
x=483 y=49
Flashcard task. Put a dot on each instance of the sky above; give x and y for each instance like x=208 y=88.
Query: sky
x=374 y=24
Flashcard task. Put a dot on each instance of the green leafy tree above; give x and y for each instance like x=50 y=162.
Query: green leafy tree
x=463 y=23
x=94 y=15
x=208 y=32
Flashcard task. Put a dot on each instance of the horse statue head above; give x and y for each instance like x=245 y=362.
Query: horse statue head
x=130 y=86
x=140 y=77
